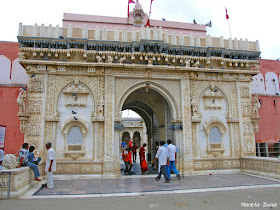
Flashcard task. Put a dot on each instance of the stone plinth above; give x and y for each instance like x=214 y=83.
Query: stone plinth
x=22 y=179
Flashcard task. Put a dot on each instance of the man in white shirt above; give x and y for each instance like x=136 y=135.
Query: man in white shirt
x=171 y=154
x=50 y=165
x=162 y=156
x=1 y=158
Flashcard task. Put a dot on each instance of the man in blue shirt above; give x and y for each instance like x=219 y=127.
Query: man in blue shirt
x=172 y=159
x=31 y=157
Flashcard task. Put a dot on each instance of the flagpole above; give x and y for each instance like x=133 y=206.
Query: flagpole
x=150 y=9
x=229 y=30
x=227 y=17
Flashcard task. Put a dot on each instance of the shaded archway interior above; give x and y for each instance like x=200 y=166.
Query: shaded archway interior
x=153 y=108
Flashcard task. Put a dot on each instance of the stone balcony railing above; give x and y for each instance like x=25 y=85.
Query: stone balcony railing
x=136 y=35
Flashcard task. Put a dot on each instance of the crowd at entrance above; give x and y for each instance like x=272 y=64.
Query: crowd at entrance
x=165 y=156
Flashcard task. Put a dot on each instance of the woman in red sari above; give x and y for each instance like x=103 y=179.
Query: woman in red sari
x=143 y=162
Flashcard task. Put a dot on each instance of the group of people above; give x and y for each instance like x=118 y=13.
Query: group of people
x=27 y=158
x=130 y=151
x=166 y=156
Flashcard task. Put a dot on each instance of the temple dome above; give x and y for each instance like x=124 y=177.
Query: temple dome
x=138 y=6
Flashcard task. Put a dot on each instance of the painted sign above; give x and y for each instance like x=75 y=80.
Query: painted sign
x=2 y=135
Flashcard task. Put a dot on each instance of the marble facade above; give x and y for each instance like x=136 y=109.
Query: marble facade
x=81 y=79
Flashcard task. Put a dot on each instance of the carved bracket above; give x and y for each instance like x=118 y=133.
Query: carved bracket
x=23 y=118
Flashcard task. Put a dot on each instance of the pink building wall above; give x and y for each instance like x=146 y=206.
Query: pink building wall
x=92 y=21
x=266 y=86
x=12 y=77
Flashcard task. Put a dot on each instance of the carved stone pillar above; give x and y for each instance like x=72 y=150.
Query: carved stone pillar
x=187 y=159
x=109 y=164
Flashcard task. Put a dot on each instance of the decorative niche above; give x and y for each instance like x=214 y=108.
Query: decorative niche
x=213 y=99
x=215 y=131
x=74 y=133
x=76 y=95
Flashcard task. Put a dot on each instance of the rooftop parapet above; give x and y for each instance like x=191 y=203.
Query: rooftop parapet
x=122 y=35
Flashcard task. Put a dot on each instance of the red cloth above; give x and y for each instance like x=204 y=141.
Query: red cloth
x=227 y=14
x=148 y=23
x=144 y=166
x=131 y=1
x=142 y=154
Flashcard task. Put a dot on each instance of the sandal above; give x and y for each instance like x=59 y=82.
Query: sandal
x=167 y=182
x=156 y=179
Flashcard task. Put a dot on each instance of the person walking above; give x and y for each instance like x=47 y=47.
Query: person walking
x=172 y=159
x=143 y=162
x=23 y=161
x=134 y=152
x=162 y=156
x=50 y=165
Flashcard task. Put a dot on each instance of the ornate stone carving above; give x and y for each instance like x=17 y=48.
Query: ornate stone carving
x=76 y=95
x=246 y=109
x=23 y=118
x=74 y=151
x=215 y=149
x=21 y=100
x=196 y=116
x=101 y=107
x=34 y=129
x=244 y=92
x=35 y=106
x=10 y=161
x=36 y=85
x=256 y=106
x=109 y=59
x=213 y=98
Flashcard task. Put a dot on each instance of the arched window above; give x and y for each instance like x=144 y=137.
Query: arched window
x=137 y=138
x=215 y=135
x=75 y=136
x=125 y=137
x=215 y=131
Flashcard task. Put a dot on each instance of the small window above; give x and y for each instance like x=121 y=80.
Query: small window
x=75 y=136
x=215 y=136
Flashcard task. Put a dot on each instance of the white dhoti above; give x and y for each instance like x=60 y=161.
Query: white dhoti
x=50 y=180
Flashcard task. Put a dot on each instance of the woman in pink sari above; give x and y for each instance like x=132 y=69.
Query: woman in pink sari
x=143 y=162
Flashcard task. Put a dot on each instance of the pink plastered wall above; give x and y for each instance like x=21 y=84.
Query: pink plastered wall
x=93 y=21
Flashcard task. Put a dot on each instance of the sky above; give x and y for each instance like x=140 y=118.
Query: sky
x=248 y=19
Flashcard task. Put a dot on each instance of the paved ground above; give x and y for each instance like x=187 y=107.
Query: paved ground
x=218 y=191
x=149 y=184
x=217 y=200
